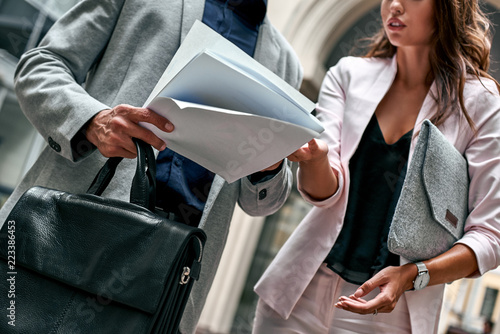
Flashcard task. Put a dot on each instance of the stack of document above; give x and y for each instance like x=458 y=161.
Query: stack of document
x=231 y=114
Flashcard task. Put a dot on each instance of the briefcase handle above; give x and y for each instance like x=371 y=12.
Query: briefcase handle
x=143 y=190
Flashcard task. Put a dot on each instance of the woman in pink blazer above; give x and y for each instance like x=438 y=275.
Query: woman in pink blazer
x=335 y=274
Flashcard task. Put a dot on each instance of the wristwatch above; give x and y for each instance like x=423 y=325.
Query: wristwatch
x=422 y=278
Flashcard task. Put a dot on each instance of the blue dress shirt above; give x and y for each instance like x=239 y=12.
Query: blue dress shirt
x=183 y=185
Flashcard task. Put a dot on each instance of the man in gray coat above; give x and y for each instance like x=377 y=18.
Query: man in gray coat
x=82 y=88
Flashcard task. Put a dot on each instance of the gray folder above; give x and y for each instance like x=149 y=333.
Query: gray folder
x=433 y=205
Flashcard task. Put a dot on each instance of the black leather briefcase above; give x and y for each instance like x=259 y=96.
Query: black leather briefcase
x=81 y=263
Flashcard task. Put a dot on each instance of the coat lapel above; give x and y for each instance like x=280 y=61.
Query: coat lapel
x=271 y=51
x=428 y=107
x=192 y=10
x=362 y=109
x=215 y=190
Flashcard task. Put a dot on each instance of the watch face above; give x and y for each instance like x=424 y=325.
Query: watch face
x=421 y=281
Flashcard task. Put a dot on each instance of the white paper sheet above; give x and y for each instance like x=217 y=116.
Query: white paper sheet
x=230 y=143
x=211 y=80
x=231 y=114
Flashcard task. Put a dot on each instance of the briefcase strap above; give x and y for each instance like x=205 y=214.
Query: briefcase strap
x=104 y=176
x=143 y=191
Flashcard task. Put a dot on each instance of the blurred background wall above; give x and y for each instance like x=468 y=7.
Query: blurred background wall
x=321 y=32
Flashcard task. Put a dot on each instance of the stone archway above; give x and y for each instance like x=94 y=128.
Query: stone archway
x=316 y=26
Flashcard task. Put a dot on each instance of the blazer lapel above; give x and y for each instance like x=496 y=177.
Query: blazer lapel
x=358 y=114
x=270 y=54
x=360 y=110
x=192 y=10
x=215 y=189
x=428 y=106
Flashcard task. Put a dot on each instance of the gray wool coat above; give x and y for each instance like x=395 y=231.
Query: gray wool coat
x=108 y=52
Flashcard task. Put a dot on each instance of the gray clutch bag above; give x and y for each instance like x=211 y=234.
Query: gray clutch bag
x=431 y=210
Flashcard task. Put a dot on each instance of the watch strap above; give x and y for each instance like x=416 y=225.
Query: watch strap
x=421 y=267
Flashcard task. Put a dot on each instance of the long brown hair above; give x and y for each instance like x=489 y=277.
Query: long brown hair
x=461 y=46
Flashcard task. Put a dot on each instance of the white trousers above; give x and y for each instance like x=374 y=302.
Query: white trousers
x=315 y=312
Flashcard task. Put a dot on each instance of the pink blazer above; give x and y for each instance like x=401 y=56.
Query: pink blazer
x=350 y=93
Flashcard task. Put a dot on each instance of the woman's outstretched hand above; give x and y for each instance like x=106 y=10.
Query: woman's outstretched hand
x=392 y=282
x=316 y=177
x=313 y=151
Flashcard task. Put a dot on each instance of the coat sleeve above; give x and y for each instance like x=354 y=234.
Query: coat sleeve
x=330 y=111
x=265 y=198
x=49 y=78
x=482 y=227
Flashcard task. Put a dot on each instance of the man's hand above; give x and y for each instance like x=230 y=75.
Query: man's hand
x=111 y=130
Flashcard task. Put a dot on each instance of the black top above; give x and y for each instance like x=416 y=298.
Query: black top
x=375 y=168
